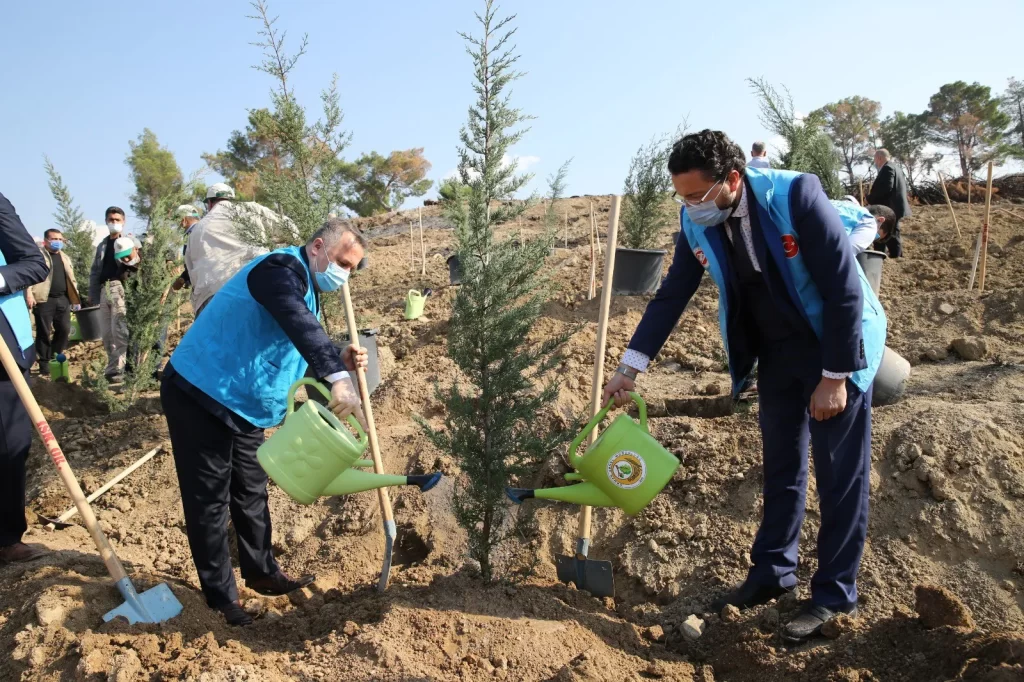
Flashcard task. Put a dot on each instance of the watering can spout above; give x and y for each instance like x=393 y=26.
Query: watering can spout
x=581 y=493
x=357 y=481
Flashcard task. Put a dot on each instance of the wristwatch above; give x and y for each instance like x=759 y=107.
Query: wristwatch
x=627 y=371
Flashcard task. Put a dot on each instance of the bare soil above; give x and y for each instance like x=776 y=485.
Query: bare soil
x=947 y=517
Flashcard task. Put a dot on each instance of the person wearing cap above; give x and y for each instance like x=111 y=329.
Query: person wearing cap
x=21 y=266
x=228 y=380
x=52 y=300
x=188 y=216
x=113 y=311
x=215 y=251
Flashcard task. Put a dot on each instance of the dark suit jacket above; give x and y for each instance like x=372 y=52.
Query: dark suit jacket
x=25 y=267
x=829 y=260
x=890 y=189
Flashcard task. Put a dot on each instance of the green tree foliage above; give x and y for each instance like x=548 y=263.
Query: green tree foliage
x=853 y=124
x=646 y=204
x=154 y=172
x=452 y=191
x=491 y=424
x=382 y=183
x=1012 y=104
x=968 y=119
x=906 y=138
x=249 y=153
x=809 y=148
x=69 y=220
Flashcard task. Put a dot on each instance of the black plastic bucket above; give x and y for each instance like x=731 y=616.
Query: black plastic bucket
x=891 y=379
x=368 y=340
x=454 y=270
x=89 y=323
x=871 y=262
x=637 y=271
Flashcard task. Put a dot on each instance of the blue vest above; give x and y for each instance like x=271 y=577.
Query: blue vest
x=771 y=191
x=15 y=309
x=852 y=215
x=237 y=353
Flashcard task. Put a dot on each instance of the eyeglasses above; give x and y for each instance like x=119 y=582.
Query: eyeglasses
x=688 y=202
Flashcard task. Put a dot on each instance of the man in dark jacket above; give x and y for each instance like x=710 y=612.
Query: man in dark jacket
x=791 y=299
x=890 y=189
x=21 y=266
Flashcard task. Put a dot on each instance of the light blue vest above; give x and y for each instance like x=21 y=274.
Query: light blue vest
x=15 y=309
x=771 y=191
x=237 y=353
x=852 y=215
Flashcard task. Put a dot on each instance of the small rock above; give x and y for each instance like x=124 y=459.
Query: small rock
x=947 y=308
x=350 y=628
x=500 y=662
x=971 y=347
x=692 y=628
x=834 y=628
x=653 y=546
x=770 y=618
x=485 y=665
x=714 y=388
x=126 y=667
x=937 y=606
x=937 y=354
x=253 y=607
x=655 y=633
x=730 y=614
x=124 y=505
x=49 y=614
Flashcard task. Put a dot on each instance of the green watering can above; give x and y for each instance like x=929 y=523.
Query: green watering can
x=414 y=304
x=314 y=455
x=59 y=369
x=76 y=331
x=625 y=467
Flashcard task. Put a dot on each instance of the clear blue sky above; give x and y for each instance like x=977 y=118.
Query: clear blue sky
x=81 y=79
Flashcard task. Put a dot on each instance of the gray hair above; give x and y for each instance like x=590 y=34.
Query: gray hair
x=334 y=229
x=883 y=152
x=757 y=149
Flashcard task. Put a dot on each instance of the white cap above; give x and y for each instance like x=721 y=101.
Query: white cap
x=123 y=247
x=187 y=211
x=219 y=190
x=851 y=198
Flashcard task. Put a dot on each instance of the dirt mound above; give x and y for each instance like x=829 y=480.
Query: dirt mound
x=947 y=496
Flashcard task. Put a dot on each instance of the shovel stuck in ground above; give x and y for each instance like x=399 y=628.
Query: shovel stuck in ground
x=152 y=606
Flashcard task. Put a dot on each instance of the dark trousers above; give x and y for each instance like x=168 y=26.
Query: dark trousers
x=53 y=326
x=787 y=376
x=894 y=244
x=15 y=440
x=219 y=475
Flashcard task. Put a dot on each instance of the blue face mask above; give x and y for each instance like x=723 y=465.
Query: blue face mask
x=55 y=245
x=332 y=278
x=707 y=213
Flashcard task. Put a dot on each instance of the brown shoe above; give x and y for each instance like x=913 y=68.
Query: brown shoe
x=20 y=552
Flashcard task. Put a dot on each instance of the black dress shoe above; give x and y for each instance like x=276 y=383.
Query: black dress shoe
x=809 y=621
x=278 y=584
x=19 y=552
x=748 y=595
x=234 y=614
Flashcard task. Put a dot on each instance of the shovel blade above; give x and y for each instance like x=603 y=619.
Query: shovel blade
x=155 y=605
x=390 y=533
x=589 y=575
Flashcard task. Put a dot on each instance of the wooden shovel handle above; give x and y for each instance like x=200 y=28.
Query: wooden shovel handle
x=364 y=396
x=113 y=564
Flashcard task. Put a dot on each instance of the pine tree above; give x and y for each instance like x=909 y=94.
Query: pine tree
x=491 y=424
x=646 y=206
x=71 y=222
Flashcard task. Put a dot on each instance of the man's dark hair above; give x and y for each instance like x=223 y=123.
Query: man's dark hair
x=885 y=212
x=52 y=230
x=709 y=151
x=112 y=210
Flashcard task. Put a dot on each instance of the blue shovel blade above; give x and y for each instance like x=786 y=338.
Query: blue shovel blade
x=155 y=605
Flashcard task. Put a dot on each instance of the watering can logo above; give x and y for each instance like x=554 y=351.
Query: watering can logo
x=313 y=454
x=627 y=470
x=625 y=467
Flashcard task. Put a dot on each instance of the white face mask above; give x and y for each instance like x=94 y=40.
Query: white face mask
x=133 y=262
x=114 y=227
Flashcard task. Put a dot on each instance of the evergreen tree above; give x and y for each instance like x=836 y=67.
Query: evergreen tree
x=809 y=149
x=906 y=138
x=154 y=171
x=491 y=424
x=382 y=183
x=852 y=123
x=1012 y=104
x=646 y=205
x=968 y=119
x=71 y=222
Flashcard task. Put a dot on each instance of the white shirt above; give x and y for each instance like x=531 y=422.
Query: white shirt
x=759 y=162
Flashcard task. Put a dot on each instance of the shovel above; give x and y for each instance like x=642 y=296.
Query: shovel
x=390 y=532
x=595 y=576
x=155 y=605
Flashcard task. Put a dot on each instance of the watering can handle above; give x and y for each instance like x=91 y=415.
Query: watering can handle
x=641 y=408
x=353 y=422
x=412 y=292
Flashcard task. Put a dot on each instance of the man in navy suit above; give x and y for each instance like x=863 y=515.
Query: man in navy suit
x=21 y=266
x=793 y=300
